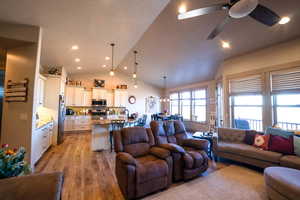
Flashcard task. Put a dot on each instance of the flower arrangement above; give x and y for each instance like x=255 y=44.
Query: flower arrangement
x=12 y=162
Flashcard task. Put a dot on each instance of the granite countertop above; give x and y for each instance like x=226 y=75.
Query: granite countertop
x=109 y=121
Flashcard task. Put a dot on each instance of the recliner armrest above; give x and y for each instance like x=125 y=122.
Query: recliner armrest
x=126 y=158
x=160 y=152
x=173 y=148
x=196 y=143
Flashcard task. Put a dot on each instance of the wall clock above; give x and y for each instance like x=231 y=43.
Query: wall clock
x=132 y=99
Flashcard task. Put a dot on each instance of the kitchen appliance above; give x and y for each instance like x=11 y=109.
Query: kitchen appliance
x=61 y=119
x=99 y=102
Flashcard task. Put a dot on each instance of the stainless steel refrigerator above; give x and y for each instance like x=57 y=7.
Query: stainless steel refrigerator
x=61 y=119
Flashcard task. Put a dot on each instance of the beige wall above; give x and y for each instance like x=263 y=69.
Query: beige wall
x=280 y=56
x=144 y=90
x=211 y=106
x=18 y=118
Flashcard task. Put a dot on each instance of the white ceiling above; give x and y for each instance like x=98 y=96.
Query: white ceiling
x=179 y=49
x=90 y=24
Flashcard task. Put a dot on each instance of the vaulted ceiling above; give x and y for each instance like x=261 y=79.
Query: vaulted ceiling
x=90 y=24
x=179 y=49
x=166 y=46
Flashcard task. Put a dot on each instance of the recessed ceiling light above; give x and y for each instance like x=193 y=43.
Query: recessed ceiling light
x=107 y=58
x=284 y=20
x=182 y=9
x=79 y=68
x=225 y=45
x=74 y=47
x=125 y=67
x=103 y=66
x=77 y=60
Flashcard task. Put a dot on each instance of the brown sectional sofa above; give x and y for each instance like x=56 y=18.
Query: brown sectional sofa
x=229 y=143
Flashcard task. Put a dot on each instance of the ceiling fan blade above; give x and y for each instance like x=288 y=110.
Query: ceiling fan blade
x=265 y=15
x=219 y=28
x=202 y=11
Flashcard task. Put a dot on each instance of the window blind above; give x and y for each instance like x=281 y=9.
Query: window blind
x=247 y=85
x=285 y=81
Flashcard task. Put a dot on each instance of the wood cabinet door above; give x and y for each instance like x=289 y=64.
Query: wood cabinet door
x=87 y=98
x=70 y=96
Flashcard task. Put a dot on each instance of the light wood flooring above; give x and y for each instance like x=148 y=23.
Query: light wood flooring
x=87 y=175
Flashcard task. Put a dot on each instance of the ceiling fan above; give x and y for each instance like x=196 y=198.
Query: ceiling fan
x=236 y=9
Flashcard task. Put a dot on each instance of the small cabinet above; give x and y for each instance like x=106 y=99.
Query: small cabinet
x=41 y=90
x=121 y=97
x=74 y=96
x=77 y=123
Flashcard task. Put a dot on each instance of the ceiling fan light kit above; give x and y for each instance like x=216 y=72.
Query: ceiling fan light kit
x=236 y=9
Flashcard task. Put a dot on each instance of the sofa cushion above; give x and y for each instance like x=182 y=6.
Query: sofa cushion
x=231 y=135
x=297 y=145
x=262 y=141
x=281 y=144
x=149 y=167
x=249 y=151
x=134 y=135
x=290 y=161
x=283 y=180
x=138 y=149
x=169 y=128
x=279 y=132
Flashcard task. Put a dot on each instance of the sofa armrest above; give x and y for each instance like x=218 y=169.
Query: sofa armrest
x=34 y=187
x=173 y=148
x=160 y=152
x=196 y=144
x=126 y=158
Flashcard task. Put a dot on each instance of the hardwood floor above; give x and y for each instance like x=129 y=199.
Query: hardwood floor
x=88 y=175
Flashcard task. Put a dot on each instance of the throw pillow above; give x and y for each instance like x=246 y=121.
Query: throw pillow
x=297 y=145
x=279 y=132
x=281 y=144
x=262 y=141
x=249 y=137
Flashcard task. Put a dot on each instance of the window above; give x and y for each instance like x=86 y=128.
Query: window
x=285 y=88
x=199 y=105
x=190 y=104
x=286 y=111
x=247 y=103
x=247 y=112
x=219 y=105
x=174 y=104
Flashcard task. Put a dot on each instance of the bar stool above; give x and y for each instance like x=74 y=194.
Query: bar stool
x=115 y=126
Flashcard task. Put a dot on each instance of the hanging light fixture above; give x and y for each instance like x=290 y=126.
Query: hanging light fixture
x=134 y=75
x=112 y=72
x=164 y=98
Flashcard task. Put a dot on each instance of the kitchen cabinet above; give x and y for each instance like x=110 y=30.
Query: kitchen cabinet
x=87 y=98
x=41 y=90
x=41 y=141
x=74 y=96
x=75 y=123
x=120 y=98
x=99 y=93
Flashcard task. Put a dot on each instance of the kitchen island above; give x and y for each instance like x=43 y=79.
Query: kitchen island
x=101 y=139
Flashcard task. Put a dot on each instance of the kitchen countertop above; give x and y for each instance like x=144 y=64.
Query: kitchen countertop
x=42 y=124
x=109 y=121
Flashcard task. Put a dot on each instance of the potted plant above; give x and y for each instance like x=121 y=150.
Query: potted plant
x=12 y=162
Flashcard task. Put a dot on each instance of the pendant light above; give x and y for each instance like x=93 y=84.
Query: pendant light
x=164 y=98
x=112 y=72
x=134 y=75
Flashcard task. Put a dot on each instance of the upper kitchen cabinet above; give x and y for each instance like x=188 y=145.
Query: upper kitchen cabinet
x=41 y=90
x=101 y=93
x=74 y=96
x=121 y=97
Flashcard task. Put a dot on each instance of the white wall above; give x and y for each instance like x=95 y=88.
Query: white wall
x=141 y=93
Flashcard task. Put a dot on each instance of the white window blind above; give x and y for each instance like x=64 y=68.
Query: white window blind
x=247 y=85
x=285 y=81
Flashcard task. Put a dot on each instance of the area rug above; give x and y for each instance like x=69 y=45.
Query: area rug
x=232 y=183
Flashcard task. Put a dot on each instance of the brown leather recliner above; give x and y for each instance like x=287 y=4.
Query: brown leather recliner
x=189 y=155
x=141 y=168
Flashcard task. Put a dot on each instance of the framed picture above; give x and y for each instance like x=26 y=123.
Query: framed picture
x=151 y=104
x=99 y=83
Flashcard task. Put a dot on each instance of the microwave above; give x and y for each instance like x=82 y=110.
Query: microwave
x=99 y=102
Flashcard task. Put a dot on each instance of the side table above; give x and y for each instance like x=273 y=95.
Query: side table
x=208 y=137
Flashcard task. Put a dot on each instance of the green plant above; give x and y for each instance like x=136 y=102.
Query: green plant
x=12 y=162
